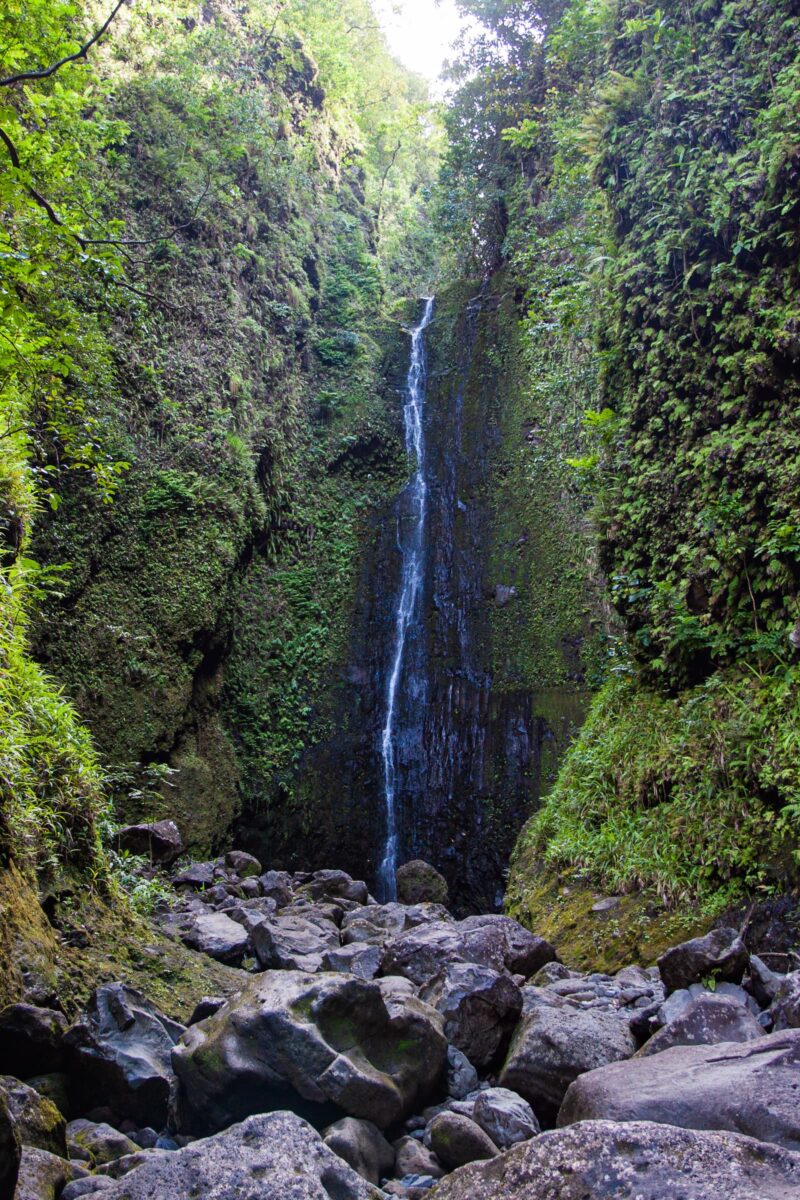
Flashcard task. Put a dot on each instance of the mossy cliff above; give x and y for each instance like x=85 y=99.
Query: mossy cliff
x=685 y=778
x=245 y=394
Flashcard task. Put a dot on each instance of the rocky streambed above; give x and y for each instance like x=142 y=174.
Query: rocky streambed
x=380 y=1050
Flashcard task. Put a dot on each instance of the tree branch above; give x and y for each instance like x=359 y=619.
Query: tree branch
x=46 y=72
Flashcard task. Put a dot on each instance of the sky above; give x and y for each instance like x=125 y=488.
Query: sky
x=420 y=32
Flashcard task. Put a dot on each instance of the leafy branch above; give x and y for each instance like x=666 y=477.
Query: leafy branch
x=81 y=53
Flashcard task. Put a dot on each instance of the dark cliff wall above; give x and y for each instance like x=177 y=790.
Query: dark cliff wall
x=482 y=717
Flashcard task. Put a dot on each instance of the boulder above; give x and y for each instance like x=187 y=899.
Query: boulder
x=763 y=983
x=268 y=1157
x=505 y=1117
x=456 y=1140
x=462 y=1078
x=244 y=866
x=31 y=1040
x=785 y=1008
x=216 y=935
x=425 y=951
x=42 y=1175
x=119 y=1055
x=418 y=881
x=720 y=955
x=161 y=841
x=553 y=1046
x=277 y=885
x=412 y=1158
x=331 y=1040
x=10 y=1150
x=751 y=1088
x=363 y=1146
x=379 y=923
x=523 y=952
x=53 y=1087
x=86 y=1187
x=97 y=1143
x=706 y=1021
x=335 y=885
x=551 y=972
x=197 y=876
x=37 y=1120
x=493 y=941
x=358 y=958
x=480 y=1008
x=294 y=943
x=599 y=1160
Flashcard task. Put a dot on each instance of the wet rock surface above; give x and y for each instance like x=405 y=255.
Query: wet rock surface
x=430 y=1051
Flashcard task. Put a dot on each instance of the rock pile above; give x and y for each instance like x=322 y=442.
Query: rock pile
x=379 y=1050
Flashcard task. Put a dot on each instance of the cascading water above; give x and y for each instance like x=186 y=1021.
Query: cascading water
x=411 y=543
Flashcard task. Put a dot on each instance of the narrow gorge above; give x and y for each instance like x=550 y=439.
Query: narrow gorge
x=400 y=607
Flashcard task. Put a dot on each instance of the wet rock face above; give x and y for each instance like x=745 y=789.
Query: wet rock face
x=471 y=752
x=637 y=1161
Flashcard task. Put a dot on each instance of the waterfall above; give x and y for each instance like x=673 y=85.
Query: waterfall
x=411 y=543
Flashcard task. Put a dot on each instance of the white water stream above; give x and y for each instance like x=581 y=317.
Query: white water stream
x=411 y=543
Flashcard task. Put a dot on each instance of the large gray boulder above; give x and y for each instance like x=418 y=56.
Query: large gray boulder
x=273 y=1156
x=219 y=937
x=480 y=1007
x=358 y=958
x=10 y=1150
x=333 y=1041
x=751 y=1088
x=362 y=1145
x=523 y=952
x=119 y=1056
x=720 y=955
x=600 y=1160
x=553 y=1046
x=505 y=1116
x=456 y=1140
x=493 y=941
x=294 y=943
x=706 y=1021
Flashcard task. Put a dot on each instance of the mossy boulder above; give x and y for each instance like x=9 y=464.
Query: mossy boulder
x=418 y=882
